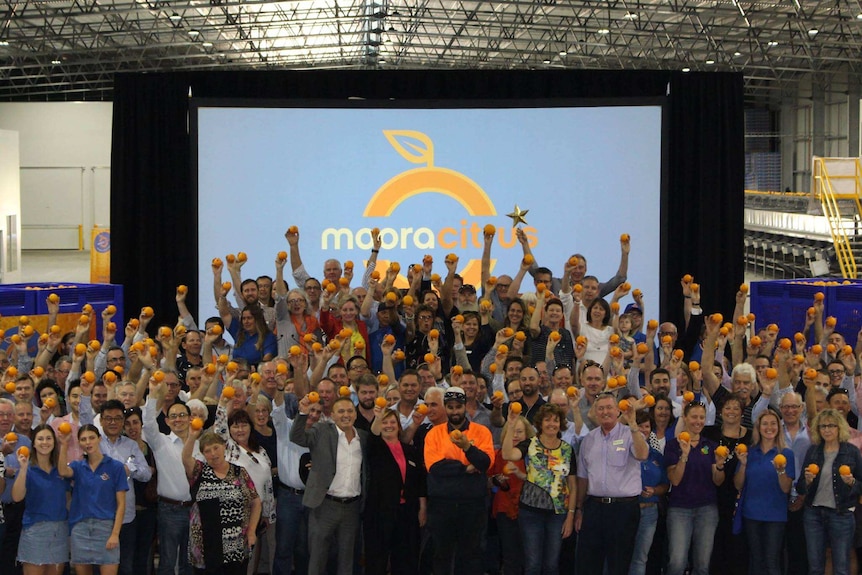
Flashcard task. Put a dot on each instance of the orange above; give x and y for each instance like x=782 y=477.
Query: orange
x=407 y=300
x=831 y=321
x=241 y=257
x=578 y=288
x=520 y=336
x=111 y=327
x=772 y=327
x=492 y=368
x=54 y=298
x=295 y=350
x=503 y=349
x=625 y=238
x=138 y=346
x=687 y=278
x=313 y=397
x=613 y=383
x=230 y=258
x=226 y=286
x=455 y=435
x=28 y=330
x=457 y=369
x=389 y=338
x=344 y=391
x=50 y=403
x=228 y=392
x=508 y=332
x=210 y=369
x=147 y=311
x=398 y=355
x=684 y=436
x=652 y=324
x=334 y=344
x=43 y=339
x=391 y=297
x=10 y=387
x=615 y=351
x=615 y=307
x=813 y=469
x=281 y=256
x=622 y=380
x=529 y=259
x=159 y=376
x=516 y=408
x=345 y=333
x=785 y=343
x=80 y=349
x=308 y=338
x=295 y=230
x=65 y=428
x=232 y=366
x=779 y=461
x=492 y=280
x=182 y=289
x=811 y=311
x=847 y=350
x=343 y=281
x=383 y=379
x=433 y=334
x=254 y=377
x=382 y=403
x=316 y=347
x=16 y=339
x=223 y=359
x=375 y=275
x=626 y=286
x=571 y=391
x=831 y=349
x=38 y=371
x=458 y=318
x=395 y=267
x=12 y=371
x=816 y=349
x=751 y=317
x=421 y=409
x=742 y=320
x=649 y=400
x=844 y=470
x=667 y=339
x=453 y=258
x=427 y=259
x=165 y=331
x=56 y=329
x=497 y=394
x=678 y=353
x=84 y=320
x=695 y=287
x=430 y=357
x=216 y=263
x=724 y=330
x=435 y=278
x=743 y=288
x=637 y=293
x=196 y=423
x=722 y=451
x=741 y=448
x=554 y=336
x=688 y=396
x=24 y=450
x=819 y=296
x=642 y=348
x=540 y=287
x=216 y=330
x=716 y=318
x=810 y=373
x=755 y=341
x=771 y=373
x=134 y=322
x=624 y=405
x=693 y=366
x=489 y=230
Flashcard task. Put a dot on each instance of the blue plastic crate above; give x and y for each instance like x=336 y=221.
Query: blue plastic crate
x=14 y=301
x=786 y=302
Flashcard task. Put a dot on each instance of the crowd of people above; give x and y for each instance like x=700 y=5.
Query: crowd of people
x=438 y=427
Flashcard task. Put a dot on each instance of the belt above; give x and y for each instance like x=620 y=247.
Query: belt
x=344 y=500
x=608 y=500
x=288 y=488
x=170 y=501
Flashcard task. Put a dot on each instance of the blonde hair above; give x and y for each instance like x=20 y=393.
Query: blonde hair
x=528 y=429
x=755 y=433
x=830 y=416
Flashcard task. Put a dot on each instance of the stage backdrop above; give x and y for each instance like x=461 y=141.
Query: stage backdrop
x=154 y=209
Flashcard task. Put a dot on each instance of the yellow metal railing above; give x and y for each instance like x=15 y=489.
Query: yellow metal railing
x=829 y=198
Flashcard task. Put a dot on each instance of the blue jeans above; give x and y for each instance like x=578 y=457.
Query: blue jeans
x=643 y=539
x=764 y=545
x=824 y=528
x=542 y=538
x=173 y=539
x=691 y=528
x=291 y=534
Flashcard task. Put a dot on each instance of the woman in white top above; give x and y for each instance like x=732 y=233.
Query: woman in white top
x=597 y=330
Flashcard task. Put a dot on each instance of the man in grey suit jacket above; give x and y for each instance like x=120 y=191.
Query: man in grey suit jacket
x=335 y=484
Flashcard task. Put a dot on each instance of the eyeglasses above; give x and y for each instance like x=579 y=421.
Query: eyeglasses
x=296 y=301
x=828 y=426
x=502 y=286
x=426 y=318
x=358 y=367
x=836 y=372
x=310 y=288
x=116 y=419
x=178 y=416
x=791 y=405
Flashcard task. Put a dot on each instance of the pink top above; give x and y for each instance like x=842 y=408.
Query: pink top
x=398 y=453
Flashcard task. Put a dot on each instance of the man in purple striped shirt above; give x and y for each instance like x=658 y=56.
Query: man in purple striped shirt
x=609 y=482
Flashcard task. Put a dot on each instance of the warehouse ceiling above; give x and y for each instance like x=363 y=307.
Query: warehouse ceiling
x=70 y=49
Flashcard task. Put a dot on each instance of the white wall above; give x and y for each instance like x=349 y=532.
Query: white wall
x=65 y=169
x=10 y=205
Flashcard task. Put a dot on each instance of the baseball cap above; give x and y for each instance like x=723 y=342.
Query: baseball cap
x=633 y=307
x=468 y=288
x=455 y=394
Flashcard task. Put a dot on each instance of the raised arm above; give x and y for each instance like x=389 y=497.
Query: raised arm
x=189 y=461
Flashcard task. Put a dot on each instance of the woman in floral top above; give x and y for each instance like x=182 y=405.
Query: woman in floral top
x=546 y=512
x=225 y=512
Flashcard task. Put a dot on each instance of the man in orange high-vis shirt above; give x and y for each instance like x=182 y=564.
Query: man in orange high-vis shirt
x=457 y=456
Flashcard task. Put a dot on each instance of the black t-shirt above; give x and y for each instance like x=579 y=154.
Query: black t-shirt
x=726 y=491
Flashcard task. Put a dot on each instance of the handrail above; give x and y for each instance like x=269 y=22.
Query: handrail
x=831 y=209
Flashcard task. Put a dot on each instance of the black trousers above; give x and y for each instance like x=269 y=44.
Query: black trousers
x=608 y=532
x=457 y=528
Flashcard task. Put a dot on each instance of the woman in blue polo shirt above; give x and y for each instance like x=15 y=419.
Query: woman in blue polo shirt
x=44 y=544
x=254 y=342
x=766 y=472
x=98 y=504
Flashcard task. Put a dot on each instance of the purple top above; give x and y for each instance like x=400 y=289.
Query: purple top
x=696 y=488
x=608 y=463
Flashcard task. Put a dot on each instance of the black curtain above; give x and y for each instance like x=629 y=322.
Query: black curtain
x=154 y=208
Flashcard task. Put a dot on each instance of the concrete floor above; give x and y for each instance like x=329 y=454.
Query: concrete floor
x=55 y=266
